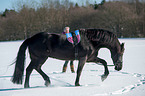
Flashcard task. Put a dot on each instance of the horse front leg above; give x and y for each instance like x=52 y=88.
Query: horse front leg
x=81 y=64
x=104 y=63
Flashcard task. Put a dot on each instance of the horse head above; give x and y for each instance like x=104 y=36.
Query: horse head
x=117 y=57
x=105 y=39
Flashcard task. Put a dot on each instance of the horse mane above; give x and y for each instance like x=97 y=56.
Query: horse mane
x=99 y=35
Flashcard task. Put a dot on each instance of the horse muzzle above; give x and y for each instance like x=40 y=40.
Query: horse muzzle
x=118 y=66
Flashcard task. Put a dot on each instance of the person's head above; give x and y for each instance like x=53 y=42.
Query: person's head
x=66 y=29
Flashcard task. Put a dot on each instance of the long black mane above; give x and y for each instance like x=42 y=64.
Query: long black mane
x=100 y=35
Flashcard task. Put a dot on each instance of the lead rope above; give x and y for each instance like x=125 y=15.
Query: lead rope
x=75 y=45
x=76 y=52
x=110 y=65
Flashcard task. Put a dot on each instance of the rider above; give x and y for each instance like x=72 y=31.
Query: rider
x=68 y=35
x=66 y=29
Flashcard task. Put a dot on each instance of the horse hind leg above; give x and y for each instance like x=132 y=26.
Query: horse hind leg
x=39 y=70
x=45 y=77
x=28 y=73
x=37 y=67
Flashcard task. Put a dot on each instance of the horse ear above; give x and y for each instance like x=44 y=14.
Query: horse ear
x=122 y=47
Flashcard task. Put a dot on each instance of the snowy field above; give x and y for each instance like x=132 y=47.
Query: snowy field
x=130 y=81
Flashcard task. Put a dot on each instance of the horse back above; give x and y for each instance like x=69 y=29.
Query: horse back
x=42 y=43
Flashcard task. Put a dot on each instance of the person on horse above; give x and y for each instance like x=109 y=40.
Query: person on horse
x=74 y=42
x=70 y=39
x=68 y=35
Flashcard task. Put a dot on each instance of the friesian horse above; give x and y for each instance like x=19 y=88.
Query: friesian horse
x=44 y=45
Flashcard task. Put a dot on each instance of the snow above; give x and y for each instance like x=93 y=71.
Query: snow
x=130 y=81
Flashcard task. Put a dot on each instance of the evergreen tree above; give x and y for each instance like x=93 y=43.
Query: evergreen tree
x=5 y=12
x=95 y=5
x=103 y=1
x=76 y=5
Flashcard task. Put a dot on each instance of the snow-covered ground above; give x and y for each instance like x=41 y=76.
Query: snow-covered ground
x=130 y=81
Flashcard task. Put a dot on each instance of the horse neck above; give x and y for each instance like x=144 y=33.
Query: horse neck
x=113 y=46
x=102 y=39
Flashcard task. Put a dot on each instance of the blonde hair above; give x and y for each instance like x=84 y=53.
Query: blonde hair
x=66 y=29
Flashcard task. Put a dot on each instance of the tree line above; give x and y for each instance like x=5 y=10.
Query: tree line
x=125 y=19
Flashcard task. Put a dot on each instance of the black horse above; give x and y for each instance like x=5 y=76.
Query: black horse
x=44 y=45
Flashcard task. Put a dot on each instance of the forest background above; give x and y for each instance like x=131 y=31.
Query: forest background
x=125 y=18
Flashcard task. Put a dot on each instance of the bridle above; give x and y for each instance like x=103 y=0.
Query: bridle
x=118 y=61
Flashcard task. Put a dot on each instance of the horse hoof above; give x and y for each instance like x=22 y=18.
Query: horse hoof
x=47 y=83
x=63 y=71
x=73 y=71
x=103 y=77
x=26 y=86
x=77 y=84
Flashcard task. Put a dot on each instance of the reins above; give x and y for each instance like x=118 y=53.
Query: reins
x=107 y=65
x=75 y=44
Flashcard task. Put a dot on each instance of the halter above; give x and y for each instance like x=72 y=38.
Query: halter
x=120 y=53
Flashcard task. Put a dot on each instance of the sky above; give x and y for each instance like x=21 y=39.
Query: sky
x=5 y=4
x=8 y=4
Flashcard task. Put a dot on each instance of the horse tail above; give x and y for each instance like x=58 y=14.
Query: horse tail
x=20 y=62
